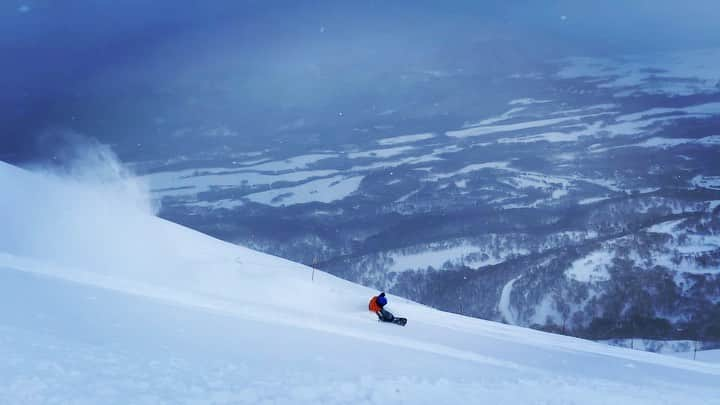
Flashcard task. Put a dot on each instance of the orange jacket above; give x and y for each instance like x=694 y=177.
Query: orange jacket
x=373 y=305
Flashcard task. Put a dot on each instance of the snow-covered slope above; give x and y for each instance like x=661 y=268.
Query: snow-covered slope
x=101 y=302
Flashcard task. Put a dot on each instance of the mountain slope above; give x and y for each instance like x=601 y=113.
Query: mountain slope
x=174 y=316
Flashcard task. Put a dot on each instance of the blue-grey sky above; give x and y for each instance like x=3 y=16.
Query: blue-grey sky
x=60 y=58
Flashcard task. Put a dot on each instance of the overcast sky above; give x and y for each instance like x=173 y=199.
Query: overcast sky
x=51 y=47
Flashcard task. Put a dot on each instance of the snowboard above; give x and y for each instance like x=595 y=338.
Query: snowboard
x=396 y=321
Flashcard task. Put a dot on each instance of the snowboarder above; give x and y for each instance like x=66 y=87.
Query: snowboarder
x=377 y=304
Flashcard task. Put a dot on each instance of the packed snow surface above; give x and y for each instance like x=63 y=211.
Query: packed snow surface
x=102 y=303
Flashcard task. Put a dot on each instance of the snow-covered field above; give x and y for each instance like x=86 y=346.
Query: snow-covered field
x=330 y=176
x=102 y=303
x=395 y=140
x=380 y=153
x=192 y=182
x=681 y=73
x=323 y=190
x=491 y=129
x=711 y=182
x=436 y=256
x=591 y=268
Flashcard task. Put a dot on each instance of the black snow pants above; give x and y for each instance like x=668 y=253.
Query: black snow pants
x=385 y=315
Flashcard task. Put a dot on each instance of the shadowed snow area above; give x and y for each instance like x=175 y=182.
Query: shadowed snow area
x=101 y=302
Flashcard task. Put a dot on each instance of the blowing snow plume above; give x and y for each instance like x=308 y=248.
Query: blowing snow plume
x=80 y=211
x=84 y=160
x=85 y=218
